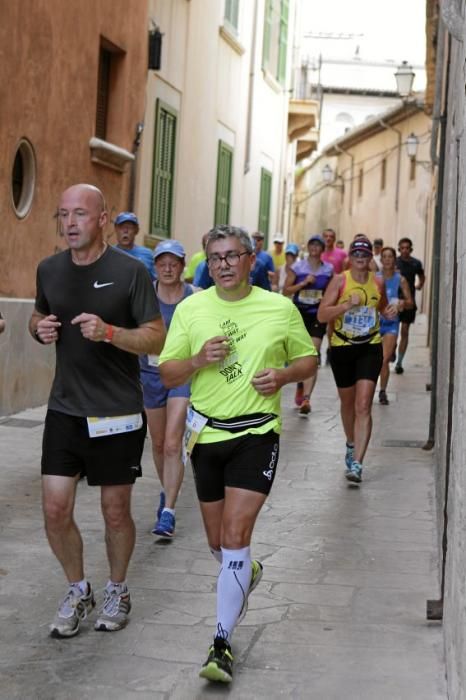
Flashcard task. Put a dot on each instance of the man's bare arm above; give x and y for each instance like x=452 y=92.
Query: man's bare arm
x=148 y=338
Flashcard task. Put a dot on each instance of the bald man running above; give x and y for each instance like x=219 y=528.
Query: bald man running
x=98 y=306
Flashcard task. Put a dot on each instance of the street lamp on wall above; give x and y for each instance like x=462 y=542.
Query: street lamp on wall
x=329 y=177
x=412 y=143
x=404 y=77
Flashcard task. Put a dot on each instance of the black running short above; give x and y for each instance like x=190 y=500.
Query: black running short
x=315 y=328
x=111 y=460
x=350 y=363
x=408 y=316
x=246 y=462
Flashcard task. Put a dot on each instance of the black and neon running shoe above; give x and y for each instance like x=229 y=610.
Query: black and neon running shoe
x=219 y=664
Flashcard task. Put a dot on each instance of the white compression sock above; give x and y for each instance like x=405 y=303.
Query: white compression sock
x=232 y=587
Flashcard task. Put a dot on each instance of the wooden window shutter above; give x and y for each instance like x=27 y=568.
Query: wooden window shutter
x=232 y=13
x=283 y=41
x=223 y=189
x=164 y=170
x=265 y=199
x=268 y=20
x=383 y=174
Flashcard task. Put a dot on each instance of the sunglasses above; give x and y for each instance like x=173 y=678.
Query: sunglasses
x=360 y=254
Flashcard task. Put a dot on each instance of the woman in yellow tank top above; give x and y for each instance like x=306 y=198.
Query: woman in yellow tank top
x=352 y=303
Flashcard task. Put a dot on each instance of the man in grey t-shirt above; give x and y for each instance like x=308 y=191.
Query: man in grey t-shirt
x=99 y=307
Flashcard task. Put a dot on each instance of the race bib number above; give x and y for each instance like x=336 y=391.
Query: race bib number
x=310 y=296
x=194 y=425
x=359 y=320
x=99 y=427
x=153 y=360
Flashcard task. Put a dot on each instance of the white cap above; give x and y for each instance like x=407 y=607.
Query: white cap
x=279 y=238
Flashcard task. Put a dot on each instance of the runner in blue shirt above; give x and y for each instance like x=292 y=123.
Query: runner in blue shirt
x=306 y=281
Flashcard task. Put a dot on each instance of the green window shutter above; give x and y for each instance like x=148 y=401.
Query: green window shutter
x=264 y=202
x=164 y=169
x=232 y=13
x=224 y=177
x=268 y=21
x=283 y=41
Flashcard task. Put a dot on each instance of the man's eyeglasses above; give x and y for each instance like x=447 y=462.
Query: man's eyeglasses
x=232 y=260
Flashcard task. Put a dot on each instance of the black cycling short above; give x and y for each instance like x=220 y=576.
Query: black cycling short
x=111 y=460
x=408 y=316
x=350 y=363
x=246 y=462
x=315 y=328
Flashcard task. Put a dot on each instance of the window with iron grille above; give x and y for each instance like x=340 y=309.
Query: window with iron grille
x=231 y=16
x=264 y=203
x=275 y=42
x=164 y=169
x=224 y=178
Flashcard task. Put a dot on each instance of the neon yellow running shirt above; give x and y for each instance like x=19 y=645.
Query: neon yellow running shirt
x=265 y=331
x=360 y=321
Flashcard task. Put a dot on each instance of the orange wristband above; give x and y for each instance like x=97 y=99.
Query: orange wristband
x=108 y=333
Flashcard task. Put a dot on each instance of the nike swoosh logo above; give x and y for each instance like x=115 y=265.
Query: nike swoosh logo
x=98 y=285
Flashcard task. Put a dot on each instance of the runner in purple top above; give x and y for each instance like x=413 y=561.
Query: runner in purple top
x=306 y=281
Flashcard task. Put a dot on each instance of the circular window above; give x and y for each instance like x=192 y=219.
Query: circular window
x=23 y=178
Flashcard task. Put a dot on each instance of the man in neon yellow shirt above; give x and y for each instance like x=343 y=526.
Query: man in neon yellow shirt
x=238 y=345
x=197 y=258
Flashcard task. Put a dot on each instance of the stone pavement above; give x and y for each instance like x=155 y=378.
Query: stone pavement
x=340 y=611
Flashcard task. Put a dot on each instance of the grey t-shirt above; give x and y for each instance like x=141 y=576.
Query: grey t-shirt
x=95 y=378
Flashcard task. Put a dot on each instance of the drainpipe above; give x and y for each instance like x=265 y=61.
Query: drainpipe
x=438 y=120
x=132 y=176
x=252 y=62
x=398 y=164
x=437 y=109
x=347 y=153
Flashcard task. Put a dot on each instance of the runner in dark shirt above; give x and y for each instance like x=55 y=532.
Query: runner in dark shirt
x=410 y=268
x=98 y=306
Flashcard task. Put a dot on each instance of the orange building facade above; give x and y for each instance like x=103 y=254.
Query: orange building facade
x=73 y=77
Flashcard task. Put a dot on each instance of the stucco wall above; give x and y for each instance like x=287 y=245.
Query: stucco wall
x=26 y=367
x=49 y=75
x=207 y=81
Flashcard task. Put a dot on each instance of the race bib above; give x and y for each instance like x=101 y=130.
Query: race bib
x=359 y=320
x=310 y=296
x=98 y=427
x=153 y=360
x=195 y=423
